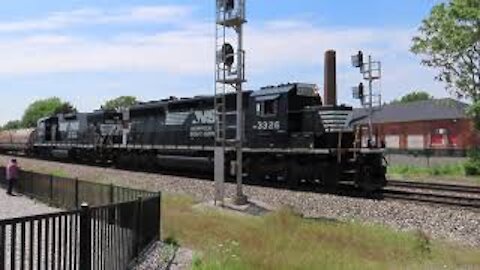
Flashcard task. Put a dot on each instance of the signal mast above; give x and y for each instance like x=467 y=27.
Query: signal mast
x=229 y=78
x=371 y=71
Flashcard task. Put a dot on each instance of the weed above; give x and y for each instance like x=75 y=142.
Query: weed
x=171 y=240
x=284 y=240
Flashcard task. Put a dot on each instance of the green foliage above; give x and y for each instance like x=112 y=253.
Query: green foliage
x=120 y=103
x=44 y=108
x=472 y=166
x=414 y=96
x=474 y=112
x=171 y=240
x=284 y=240
x=449 y=41
x=15 y=124
x=424 y=244
x=439 y=170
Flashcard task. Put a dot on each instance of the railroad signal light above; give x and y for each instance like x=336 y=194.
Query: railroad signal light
x=227 y=5
x=358 y=92
x=361 y=92
x=227 y=55
x=357 y=60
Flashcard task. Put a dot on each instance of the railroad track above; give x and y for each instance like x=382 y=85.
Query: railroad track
x=434 y=193
x=460 y=196
x=435 y=186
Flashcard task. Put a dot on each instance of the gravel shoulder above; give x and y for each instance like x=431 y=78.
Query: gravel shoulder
x=159 y=257
x=21 y=206
x=458 y=225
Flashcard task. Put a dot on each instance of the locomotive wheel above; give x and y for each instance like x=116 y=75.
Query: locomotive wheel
x=331 y=176
x=295 y=174
x=369 y=181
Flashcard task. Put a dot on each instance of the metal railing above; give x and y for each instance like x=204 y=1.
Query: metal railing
x=109 y=232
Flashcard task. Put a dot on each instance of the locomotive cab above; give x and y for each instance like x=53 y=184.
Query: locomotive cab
x=47 y=130
x=277 y=115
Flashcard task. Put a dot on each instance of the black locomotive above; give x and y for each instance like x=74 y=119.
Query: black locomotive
x=290 y=137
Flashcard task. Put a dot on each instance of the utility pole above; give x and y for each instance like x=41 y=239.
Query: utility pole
x=229 y=78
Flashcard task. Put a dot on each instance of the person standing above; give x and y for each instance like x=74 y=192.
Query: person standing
x=12 y=175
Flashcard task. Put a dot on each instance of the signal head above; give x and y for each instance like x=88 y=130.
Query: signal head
x=227 y=5
x=357 y=60
x=227 y=55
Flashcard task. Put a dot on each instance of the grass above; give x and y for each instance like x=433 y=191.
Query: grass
x=57 y=172
x=283 y=240
x=439 y=170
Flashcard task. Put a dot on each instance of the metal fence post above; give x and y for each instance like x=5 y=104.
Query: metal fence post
x=85 y=238
x=111 y=194
x=159 y=216
x=111 y=210
x=76 y=193
x=51 y=188
x=138 y=226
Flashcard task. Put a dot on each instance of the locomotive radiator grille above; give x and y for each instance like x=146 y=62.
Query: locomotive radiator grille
x=336 y=121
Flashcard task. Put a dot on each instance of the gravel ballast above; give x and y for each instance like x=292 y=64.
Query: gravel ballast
x=446 y=223
x=160 y=256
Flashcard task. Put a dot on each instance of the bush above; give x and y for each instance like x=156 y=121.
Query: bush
x=472 y=166
x=438 y=170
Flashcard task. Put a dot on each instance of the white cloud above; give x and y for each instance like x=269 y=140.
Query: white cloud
x=190 y=49
x=93 y=16
x=276 y=51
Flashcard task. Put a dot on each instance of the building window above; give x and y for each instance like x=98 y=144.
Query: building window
x=415 y=142
x=392 y=141
x=440 y=138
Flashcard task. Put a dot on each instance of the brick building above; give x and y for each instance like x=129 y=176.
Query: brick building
x=439 y=124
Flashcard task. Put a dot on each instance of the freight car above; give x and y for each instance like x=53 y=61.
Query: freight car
x=16 y=140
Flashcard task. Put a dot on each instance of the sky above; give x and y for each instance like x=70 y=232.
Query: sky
x=89 y=51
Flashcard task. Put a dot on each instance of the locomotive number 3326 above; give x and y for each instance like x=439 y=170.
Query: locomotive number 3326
x=268 y=125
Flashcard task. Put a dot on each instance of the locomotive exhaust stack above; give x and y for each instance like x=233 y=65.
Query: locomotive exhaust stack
x=330 y=80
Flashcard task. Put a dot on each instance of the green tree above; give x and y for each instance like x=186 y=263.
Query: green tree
x=414 y=96
x=120 y=103
x=44 y=108
x=449 y=41
x=65 y=107
x=15 y=124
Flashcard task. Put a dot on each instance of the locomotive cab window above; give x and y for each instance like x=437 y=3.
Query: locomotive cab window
x=267 y=108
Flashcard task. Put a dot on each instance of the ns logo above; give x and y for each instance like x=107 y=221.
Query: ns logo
x=204 y=117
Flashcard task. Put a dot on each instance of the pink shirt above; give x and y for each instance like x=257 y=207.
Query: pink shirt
x=12 y=171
